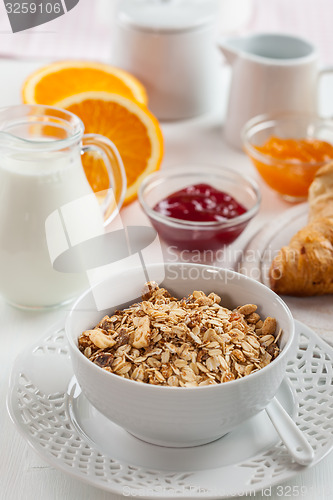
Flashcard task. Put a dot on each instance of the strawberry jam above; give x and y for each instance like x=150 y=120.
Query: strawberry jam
x=199 y=203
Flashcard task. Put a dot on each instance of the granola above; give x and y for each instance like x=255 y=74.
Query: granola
x=188 y=342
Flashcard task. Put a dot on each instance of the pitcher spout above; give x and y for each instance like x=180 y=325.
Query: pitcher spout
x=230 y=48
x=8 y=141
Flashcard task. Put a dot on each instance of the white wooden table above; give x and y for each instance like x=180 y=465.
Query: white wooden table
x=25 y=476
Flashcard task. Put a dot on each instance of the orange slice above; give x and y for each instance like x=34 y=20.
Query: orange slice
x=59 y=80
x=129 y=125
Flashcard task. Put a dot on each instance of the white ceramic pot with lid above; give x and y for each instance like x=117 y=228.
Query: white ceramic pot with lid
x=169 y=45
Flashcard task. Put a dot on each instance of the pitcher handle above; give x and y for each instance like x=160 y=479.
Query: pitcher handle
x=112 y=198
x=322 y=72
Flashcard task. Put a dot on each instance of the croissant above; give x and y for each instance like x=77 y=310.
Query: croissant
x=321 y=193
x=305 y=266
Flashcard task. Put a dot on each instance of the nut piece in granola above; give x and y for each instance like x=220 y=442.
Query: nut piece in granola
x=100 y=338
x=141 y=334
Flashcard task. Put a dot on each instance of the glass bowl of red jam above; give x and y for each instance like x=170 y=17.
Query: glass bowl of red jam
x=199 y=207
x=287 y=149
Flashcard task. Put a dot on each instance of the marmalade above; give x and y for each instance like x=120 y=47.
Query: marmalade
x=301 y=159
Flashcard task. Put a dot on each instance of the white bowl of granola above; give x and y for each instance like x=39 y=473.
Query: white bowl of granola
x=181 y=368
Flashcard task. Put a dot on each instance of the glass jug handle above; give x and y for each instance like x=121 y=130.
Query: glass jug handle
x=113 y=197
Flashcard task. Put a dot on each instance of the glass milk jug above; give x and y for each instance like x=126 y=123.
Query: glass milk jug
x=40 y=174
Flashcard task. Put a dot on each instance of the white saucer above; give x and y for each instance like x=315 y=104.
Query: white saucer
x=257 y=257
x=264 y=246
x=49 y=410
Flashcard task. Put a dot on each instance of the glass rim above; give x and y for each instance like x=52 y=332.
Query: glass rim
x=262 y=122
x=34 y=114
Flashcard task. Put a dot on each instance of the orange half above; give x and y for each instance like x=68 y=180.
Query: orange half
x=129 y=125
x=59 y=80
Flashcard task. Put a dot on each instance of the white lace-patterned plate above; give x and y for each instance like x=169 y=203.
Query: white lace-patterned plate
x=48 y=408
x=257 y=257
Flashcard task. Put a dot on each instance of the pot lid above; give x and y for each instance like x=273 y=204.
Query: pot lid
x=167 y=15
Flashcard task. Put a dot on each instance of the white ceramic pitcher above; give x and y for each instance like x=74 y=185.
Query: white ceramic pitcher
x=270 y=73
x=170 y=46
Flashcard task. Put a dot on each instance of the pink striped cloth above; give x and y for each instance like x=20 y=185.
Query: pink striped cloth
x=85 y=32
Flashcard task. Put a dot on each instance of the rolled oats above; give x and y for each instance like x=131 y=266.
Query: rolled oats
x=188 y=342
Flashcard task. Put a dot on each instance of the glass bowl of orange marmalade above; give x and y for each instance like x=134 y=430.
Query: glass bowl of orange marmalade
x=287 y=149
